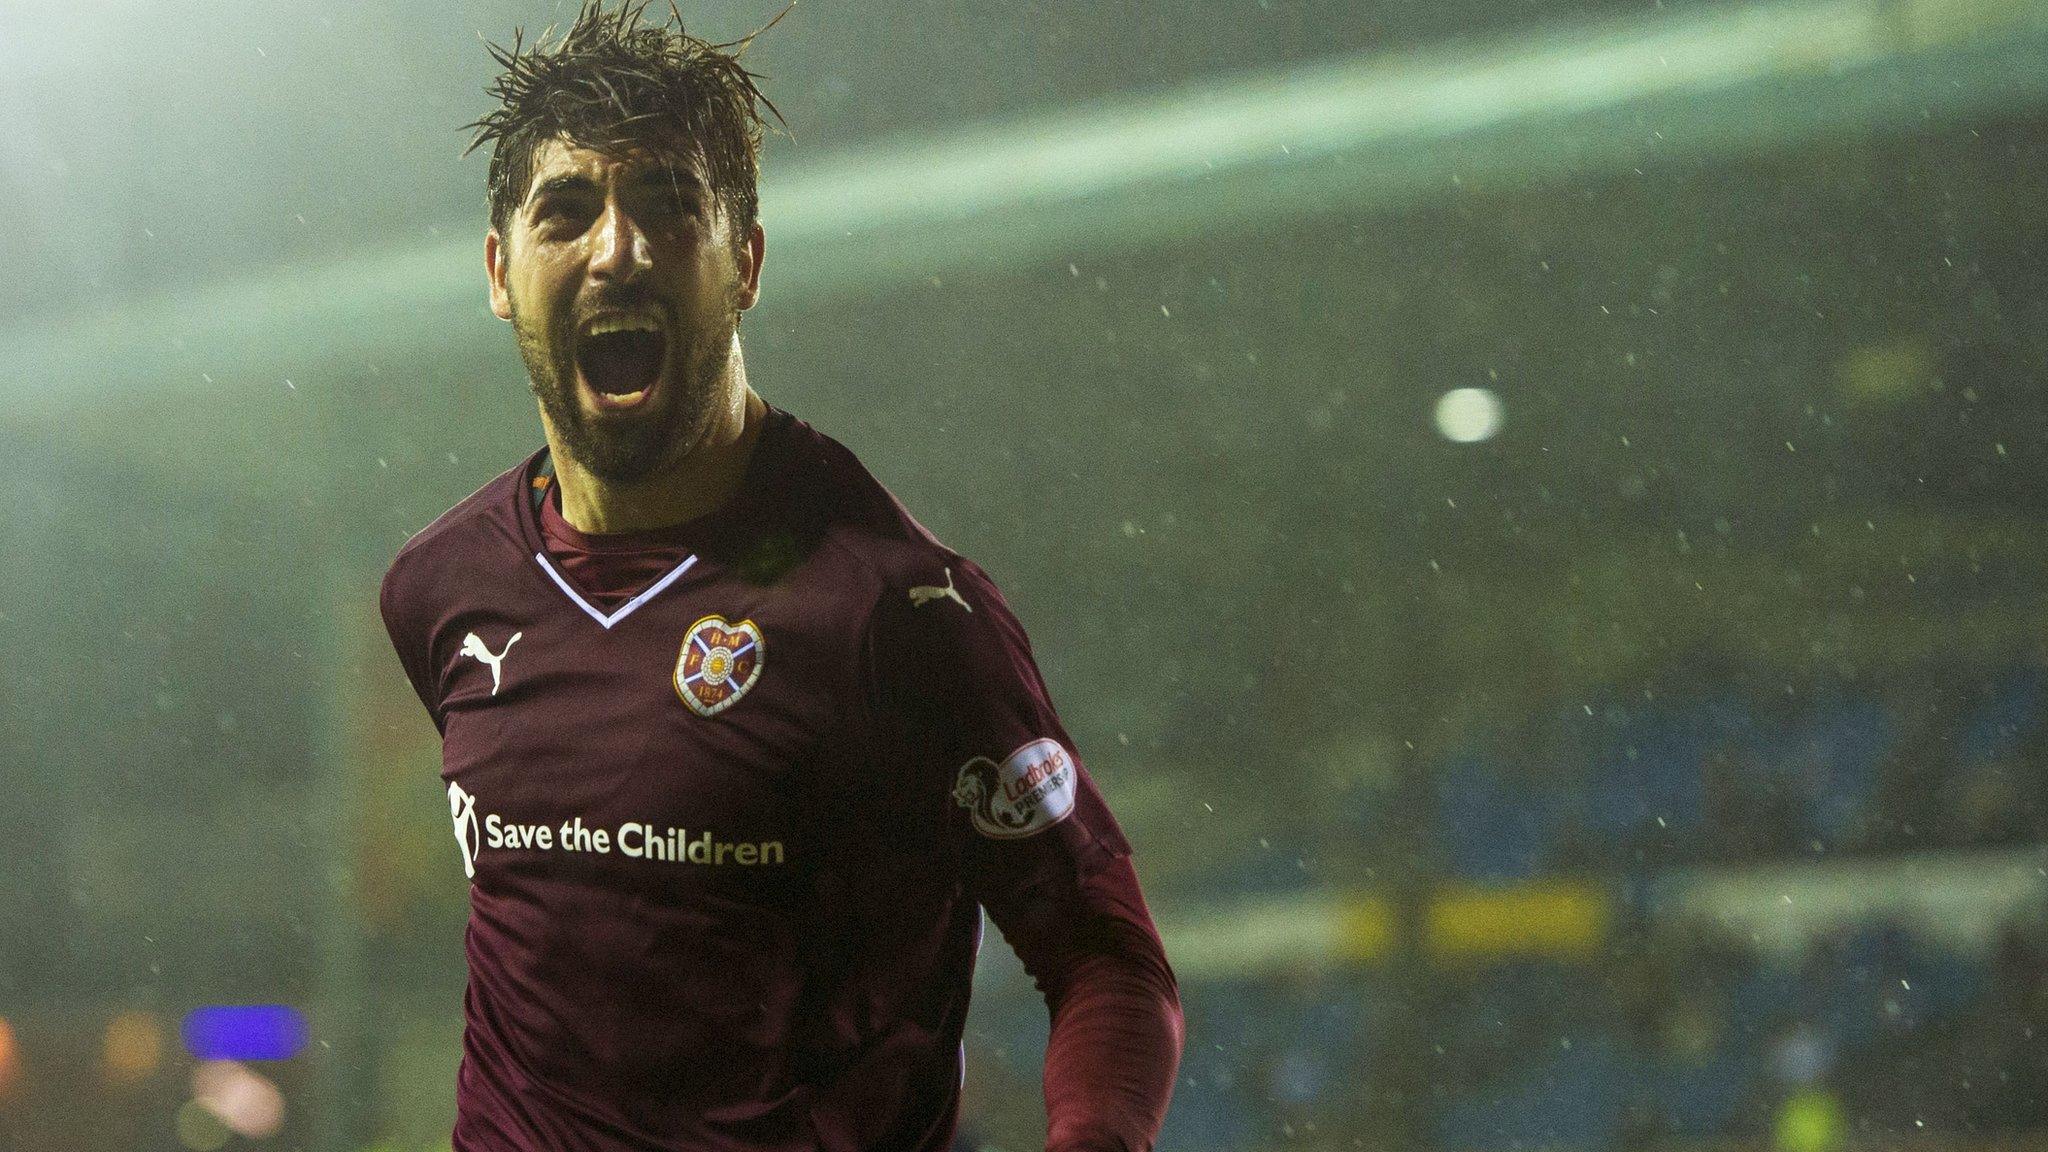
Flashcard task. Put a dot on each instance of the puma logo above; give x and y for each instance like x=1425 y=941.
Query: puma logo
x=473 y=645
x=924 y=594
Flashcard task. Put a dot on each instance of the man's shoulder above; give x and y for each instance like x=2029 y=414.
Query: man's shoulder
x=485 y=516
x=861 y=517
x=919 y=592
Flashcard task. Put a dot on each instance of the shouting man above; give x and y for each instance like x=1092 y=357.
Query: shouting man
x=765 y=749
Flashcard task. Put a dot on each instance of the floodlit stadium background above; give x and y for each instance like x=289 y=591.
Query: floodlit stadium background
x=1534 y=513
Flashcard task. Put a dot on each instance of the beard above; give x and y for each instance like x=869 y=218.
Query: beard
x=624 y=447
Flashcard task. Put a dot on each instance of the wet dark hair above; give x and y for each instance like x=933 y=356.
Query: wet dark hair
x=614 y=87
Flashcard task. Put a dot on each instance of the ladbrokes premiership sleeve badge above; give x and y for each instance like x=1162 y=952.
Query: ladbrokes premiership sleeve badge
x=1030 y=791
x=718 y=663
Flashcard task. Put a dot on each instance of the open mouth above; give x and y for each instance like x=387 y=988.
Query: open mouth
x=620 y=358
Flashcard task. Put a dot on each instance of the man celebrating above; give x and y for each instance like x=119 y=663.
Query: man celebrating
x=736 y=751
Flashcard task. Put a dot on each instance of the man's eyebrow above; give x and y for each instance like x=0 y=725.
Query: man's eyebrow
x=569 y=182
x=556 y=185
x=681 y=177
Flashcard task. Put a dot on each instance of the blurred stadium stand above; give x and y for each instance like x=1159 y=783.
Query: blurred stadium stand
x=1663 y=772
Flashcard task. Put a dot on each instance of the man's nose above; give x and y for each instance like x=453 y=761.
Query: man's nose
x=622 y=252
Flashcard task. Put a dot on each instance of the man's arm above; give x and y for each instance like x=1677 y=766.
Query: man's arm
x=1116 y=1018
x=963 y=695
x=396 y=598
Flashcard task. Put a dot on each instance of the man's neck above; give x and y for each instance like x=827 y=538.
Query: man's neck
x=699 y=482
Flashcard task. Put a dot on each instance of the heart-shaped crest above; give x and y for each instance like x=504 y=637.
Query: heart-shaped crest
x=718 y=663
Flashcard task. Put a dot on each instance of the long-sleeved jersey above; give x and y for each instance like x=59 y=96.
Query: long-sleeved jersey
x=729 y=830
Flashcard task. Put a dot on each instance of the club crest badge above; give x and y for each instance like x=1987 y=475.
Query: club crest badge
x=718 y=663
x=1030 y=791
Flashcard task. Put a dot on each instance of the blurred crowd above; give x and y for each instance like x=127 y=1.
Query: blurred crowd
x=1871 y=1040
x=1721 y=776
x=1673 y=1032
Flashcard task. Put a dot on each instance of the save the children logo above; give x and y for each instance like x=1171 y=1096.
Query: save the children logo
x=475 y=832
x=1030 y=791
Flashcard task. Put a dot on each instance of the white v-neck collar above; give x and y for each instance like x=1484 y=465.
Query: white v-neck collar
x=624 y=610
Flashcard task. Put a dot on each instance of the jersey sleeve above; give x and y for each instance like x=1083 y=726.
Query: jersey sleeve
x=971 y=721
x=967 y=721
x=397 y=603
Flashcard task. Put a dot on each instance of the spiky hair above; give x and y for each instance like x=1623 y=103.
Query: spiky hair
x=612 y=86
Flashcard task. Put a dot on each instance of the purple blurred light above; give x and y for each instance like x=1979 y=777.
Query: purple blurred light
x=245 y=1032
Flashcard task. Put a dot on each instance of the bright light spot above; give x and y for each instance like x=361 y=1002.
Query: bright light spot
x=133 y=1046
x=1468 y=415
x=245 y=1102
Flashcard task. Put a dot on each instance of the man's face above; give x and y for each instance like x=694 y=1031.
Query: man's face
x=624 y=290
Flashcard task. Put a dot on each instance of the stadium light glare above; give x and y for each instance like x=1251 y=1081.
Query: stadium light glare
x=1468 y=415
x=1365 y=133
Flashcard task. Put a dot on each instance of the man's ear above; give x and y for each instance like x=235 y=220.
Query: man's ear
x=494 y=267
x=756 y=250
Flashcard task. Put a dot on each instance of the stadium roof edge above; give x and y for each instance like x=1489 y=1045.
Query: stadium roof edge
x=1358 y=134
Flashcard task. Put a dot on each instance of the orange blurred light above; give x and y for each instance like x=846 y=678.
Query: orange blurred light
x=133 y=1047
x=10 y=1058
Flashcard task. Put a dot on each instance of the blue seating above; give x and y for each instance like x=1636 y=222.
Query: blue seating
x=1701 y=1101
x=1491 y=829
x=2010 y=713
x=1572 y=1098
x=1651 y=771
x=1847 y=743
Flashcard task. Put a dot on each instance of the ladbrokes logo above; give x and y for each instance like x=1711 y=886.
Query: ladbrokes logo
x=633 y=840
x=1030 y=791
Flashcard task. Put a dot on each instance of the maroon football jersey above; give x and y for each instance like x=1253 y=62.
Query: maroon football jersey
x=727 y=839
